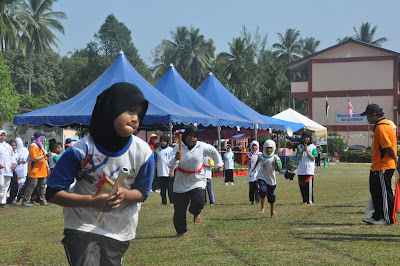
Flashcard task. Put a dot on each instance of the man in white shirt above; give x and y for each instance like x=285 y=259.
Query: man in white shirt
x=6 y=167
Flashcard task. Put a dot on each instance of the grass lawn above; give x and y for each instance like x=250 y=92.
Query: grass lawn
x=232 y=231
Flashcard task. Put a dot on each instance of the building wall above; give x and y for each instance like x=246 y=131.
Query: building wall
x=351 y=50
x=356 y=71
x=345 y=76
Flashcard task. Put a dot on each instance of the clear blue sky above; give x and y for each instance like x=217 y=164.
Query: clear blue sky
x=152 y=20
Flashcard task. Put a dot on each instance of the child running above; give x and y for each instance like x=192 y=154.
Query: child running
x=164 y=174
x=266 y=176
x=95 y=163
x=251 y=160
x=190 y=181
x=208 y=165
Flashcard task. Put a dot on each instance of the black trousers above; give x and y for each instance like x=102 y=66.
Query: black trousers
x=380 y=186
x=196 y=198
x=83 y=248
x=13 y=187
x=306 y=188
x=229 y=175
x=253 y=191
x=166 y=184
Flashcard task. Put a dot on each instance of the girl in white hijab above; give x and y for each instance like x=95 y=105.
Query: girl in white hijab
x=229 y=164
x=22 y=165
x=251 y=160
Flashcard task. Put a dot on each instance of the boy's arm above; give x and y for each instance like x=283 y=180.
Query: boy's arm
x=278 y=163
x=209 y=150
x=255 y=166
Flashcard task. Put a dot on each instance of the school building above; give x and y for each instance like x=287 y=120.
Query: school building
x=351 y=70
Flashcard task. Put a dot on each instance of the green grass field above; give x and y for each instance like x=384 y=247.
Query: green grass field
x=232 y=231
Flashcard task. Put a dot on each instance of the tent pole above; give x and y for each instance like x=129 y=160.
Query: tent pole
x=255 y=131
x=170 y=132
x=219 y=138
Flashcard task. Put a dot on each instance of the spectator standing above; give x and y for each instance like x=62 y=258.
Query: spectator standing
x=383 y=164
x=37 y=169
x=6 y=167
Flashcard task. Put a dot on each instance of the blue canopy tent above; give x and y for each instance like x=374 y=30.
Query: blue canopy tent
x=179 y=91
x=219 y=96
x=78 y=109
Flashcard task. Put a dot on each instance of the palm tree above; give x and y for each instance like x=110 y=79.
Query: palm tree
x=240 y=65
x=366 y=34
x=309 y=46
x=10 y=23
x=189 y=52
x=288 y=48
x=42 y=20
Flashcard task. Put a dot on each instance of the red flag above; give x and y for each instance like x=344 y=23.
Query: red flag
x=396 y=206
x=350 y=106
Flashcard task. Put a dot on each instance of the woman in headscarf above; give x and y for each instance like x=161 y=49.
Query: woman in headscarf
x=229 y=163
x=306 y=154
x=22 y=167
x=95 y=163
x=190 y=181
x=251 y=160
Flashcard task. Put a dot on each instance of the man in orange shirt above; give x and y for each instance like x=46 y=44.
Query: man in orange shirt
x=383 y=164
x=37 y=169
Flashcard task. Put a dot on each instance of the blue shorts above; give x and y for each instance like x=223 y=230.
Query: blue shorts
x=266 y=190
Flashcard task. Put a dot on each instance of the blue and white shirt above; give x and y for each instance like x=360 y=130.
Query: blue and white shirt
x=267 y=168
x=89 y=164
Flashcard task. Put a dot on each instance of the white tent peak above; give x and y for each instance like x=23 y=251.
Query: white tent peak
x=171 y=64
x=293 y=116
x=121 y=52
x=210 y=73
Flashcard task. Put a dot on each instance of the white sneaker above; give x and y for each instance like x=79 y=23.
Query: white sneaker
x=369 y=220
x=232 y=183
x=380 y=222
x=226 y=183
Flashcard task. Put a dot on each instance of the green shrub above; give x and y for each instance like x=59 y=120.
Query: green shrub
x=356 y=157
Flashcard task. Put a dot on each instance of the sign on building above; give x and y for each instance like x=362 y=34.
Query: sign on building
x=345 y=118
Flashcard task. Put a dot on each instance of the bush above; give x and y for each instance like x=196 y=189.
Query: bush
x=356 y=157
x=336 y=145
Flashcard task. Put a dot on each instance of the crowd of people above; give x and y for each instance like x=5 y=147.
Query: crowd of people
x=24 y=168
x=83 y=178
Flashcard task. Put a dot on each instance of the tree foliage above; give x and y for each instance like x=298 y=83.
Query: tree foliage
x=189 y=51
x=9 y=100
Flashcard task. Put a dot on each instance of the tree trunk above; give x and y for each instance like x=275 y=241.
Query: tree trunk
x=30 y=74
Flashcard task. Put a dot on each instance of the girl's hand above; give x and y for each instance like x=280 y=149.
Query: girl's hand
x=178 y=155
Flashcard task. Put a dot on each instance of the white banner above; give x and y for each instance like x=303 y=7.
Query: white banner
x=345 y=118
x=320 y=137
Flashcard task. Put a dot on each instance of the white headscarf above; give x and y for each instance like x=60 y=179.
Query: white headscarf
x=255 y=142
x=268 y=144
x=22 y=169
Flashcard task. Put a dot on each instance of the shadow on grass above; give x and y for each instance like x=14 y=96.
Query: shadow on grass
x=239 y=219
x=308 y=224
x=157 y=237
x=351 y=237
x=342 y=206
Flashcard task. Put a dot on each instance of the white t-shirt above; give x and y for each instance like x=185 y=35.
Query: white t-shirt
x=306 y=165
x=267 y=168
x=252 y=157
x=229 y=160
x=89 y=164
x=22 y=169
x=208 y=170
x=163 y=156
x=192 y=160
x=6 y=158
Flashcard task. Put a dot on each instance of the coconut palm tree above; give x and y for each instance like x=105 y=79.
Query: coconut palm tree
x=42 y=20
x=288 y=49
x=240 y=65
x=309 y=46
x=366 y=34
x=11 y=23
